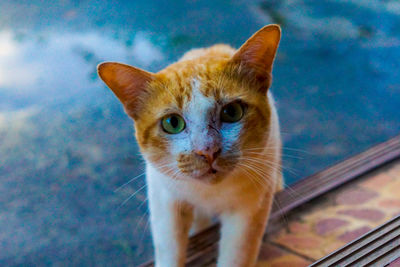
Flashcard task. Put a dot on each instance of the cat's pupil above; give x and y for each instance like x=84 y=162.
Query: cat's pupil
x=174 y=122
x=230 y=111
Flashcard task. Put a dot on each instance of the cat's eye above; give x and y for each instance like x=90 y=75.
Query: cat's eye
x=232 y=112
x=173 y=124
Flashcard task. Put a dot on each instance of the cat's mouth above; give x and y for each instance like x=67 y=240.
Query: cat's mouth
x=211 y=175
x=201 y=174
x=198 y=169
x=212 y=170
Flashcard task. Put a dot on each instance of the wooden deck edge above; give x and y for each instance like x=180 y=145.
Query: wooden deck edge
x=332 y=177
x=301 y=192
x=380 y=246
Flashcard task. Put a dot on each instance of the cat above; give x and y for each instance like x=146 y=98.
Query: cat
x=208 y=130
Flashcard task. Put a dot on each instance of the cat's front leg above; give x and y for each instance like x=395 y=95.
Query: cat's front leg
x=170 y=224
x=241 y=236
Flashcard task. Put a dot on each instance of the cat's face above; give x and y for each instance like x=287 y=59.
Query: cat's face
x=198 y=117
x=197 y=126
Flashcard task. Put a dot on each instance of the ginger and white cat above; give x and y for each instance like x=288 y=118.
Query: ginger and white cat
x=209 y=132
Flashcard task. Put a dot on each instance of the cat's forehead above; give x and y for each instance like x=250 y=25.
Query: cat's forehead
x=206 y=70
x=199 y=102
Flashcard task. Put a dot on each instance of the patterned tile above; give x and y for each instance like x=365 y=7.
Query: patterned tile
x=335 y=219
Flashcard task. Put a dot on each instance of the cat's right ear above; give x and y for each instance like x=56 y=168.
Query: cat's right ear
x=257 y=54
x=128 y=83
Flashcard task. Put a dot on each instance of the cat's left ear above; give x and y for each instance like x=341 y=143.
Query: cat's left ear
x=128 y=84
x=257 y=54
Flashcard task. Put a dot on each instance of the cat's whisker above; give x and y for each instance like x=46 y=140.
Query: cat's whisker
x=142 y=203
x=277 y=147
x=257 y=177
x=254 y=168
x=270 y=163
x=250 y=176
x=166 y=166
x=260 y=179
x=140 y=220
x=263 y=162
x=292 y=193
x=272 y=154
x=267 y=152
x=283 y=216
x=297 y=150
x=132 y=195
x=145 y=215
x=144 y=231
x=263 y=171
x=260 y=169
x=172 y=172
x=130 y=181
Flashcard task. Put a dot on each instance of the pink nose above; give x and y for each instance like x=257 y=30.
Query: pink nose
x=210 y=154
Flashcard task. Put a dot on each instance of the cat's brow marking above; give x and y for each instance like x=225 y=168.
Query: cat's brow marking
x=199 y=104
x=198 y=110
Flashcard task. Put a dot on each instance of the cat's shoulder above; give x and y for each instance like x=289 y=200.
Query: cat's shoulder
x=215 y=51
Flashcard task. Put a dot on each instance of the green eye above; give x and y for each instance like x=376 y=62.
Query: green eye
x=232 y=112
x=173 y=124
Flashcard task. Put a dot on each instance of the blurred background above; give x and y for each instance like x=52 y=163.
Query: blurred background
x=66 y=144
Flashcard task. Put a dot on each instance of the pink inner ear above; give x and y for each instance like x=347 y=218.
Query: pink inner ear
x=130 y=84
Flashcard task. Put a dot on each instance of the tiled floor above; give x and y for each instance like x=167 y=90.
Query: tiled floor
x=334 y=219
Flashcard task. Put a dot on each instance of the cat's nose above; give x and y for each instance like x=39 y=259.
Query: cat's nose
x=209 y=154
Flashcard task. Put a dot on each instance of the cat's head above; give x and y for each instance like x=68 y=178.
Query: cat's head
x=196 y=118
